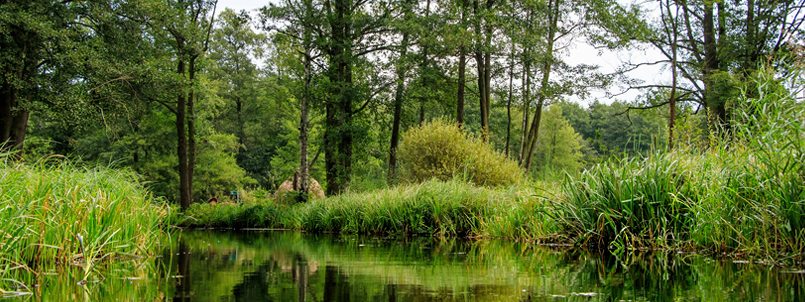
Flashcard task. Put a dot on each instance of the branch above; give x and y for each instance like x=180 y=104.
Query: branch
x=371 y=97
x=209 y=29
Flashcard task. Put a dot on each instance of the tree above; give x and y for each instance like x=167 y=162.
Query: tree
x=561 y=21
x=403 y=27
x=560 y=146
x=714 y=46
x=233 y=42
x=183 y=28
x=345 y=32
x=41 y=53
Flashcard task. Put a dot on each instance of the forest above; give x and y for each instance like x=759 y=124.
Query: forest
x=449 y=117
x=201 y=100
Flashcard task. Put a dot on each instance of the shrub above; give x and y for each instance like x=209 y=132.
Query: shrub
x=439 y=149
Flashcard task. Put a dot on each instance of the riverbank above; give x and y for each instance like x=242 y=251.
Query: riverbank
x=441 y=208
x=60 y=215
x=727 y=201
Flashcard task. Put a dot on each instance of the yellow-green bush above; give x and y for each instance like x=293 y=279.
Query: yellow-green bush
x=439 y=149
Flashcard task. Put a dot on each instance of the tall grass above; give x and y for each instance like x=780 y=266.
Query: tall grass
x=434 y=207
x=744 y=195
x=61 y=214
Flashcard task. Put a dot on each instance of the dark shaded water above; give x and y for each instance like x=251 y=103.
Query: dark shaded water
x=291 y=266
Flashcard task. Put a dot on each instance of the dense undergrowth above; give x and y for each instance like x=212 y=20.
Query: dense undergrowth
x=58 y=214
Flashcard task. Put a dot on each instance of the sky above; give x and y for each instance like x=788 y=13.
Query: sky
x=579 y=53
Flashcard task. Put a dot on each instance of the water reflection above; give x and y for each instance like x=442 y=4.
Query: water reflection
x=291 y=266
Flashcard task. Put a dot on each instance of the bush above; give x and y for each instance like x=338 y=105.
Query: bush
x=439 y=149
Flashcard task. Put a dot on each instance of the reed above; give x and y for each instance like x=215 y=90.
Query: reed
x=742 y=196
x=61 y=214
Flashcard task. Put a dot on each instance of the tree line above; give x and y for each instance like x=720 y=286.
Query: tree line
x=201 y=100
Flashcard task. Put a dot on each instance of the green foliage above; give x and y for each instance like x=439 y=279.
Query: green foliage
x=608 y=131
x=237 y=215
x=741 y=195
x=558 y=146
x=217 y=172
x=58 y=213
x=440 y=150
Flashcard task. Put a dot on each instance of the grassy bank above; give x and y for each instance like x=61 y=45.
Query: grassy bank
x=725 y=201
x=444 y=208
x=60 y=214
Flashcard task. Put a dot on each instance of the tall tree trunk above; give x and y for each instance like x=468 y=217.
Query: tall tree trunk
x=8 y=100
x=304 y=120
x=398 y=100
x=547 y=64
x=181 y=132
x=241 y=125
x=191 y=128
x=533 y=133
x=509 y=102
x=715 y=106
x=483 y=61
x=13 y=120
x=462 y=65
x=526 y=108
x=338 y=135
x=672 y=97
x=462 y=70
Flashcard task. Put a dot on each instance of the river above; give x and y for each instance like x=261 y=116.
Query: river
x=209 y=265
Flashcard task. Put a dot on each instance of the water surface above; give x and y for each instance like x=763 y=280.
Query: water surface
x=206 y=265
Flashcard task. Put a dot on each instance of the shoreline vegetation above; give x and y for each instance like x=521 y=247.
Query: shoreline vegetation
x=58 y=215
x=741 y=197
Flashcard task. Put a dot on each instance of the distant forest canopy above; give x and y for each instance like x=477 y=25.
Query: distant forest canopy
x=202 y=100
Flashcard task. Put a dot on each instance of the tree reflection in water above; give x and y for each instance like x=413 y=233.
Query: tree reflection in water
x=289 y=266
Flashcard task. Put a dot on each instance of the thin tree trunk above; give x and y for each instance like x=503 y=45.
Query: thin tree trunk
x=672 y=97
x=304 y=120
x=509 y=102
x=711 y=66
x=526 y=108
x=481 y=68
x=398 y=100
x=462 y=65
x=191 y=128
x=241 y=126
x=533 y=133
